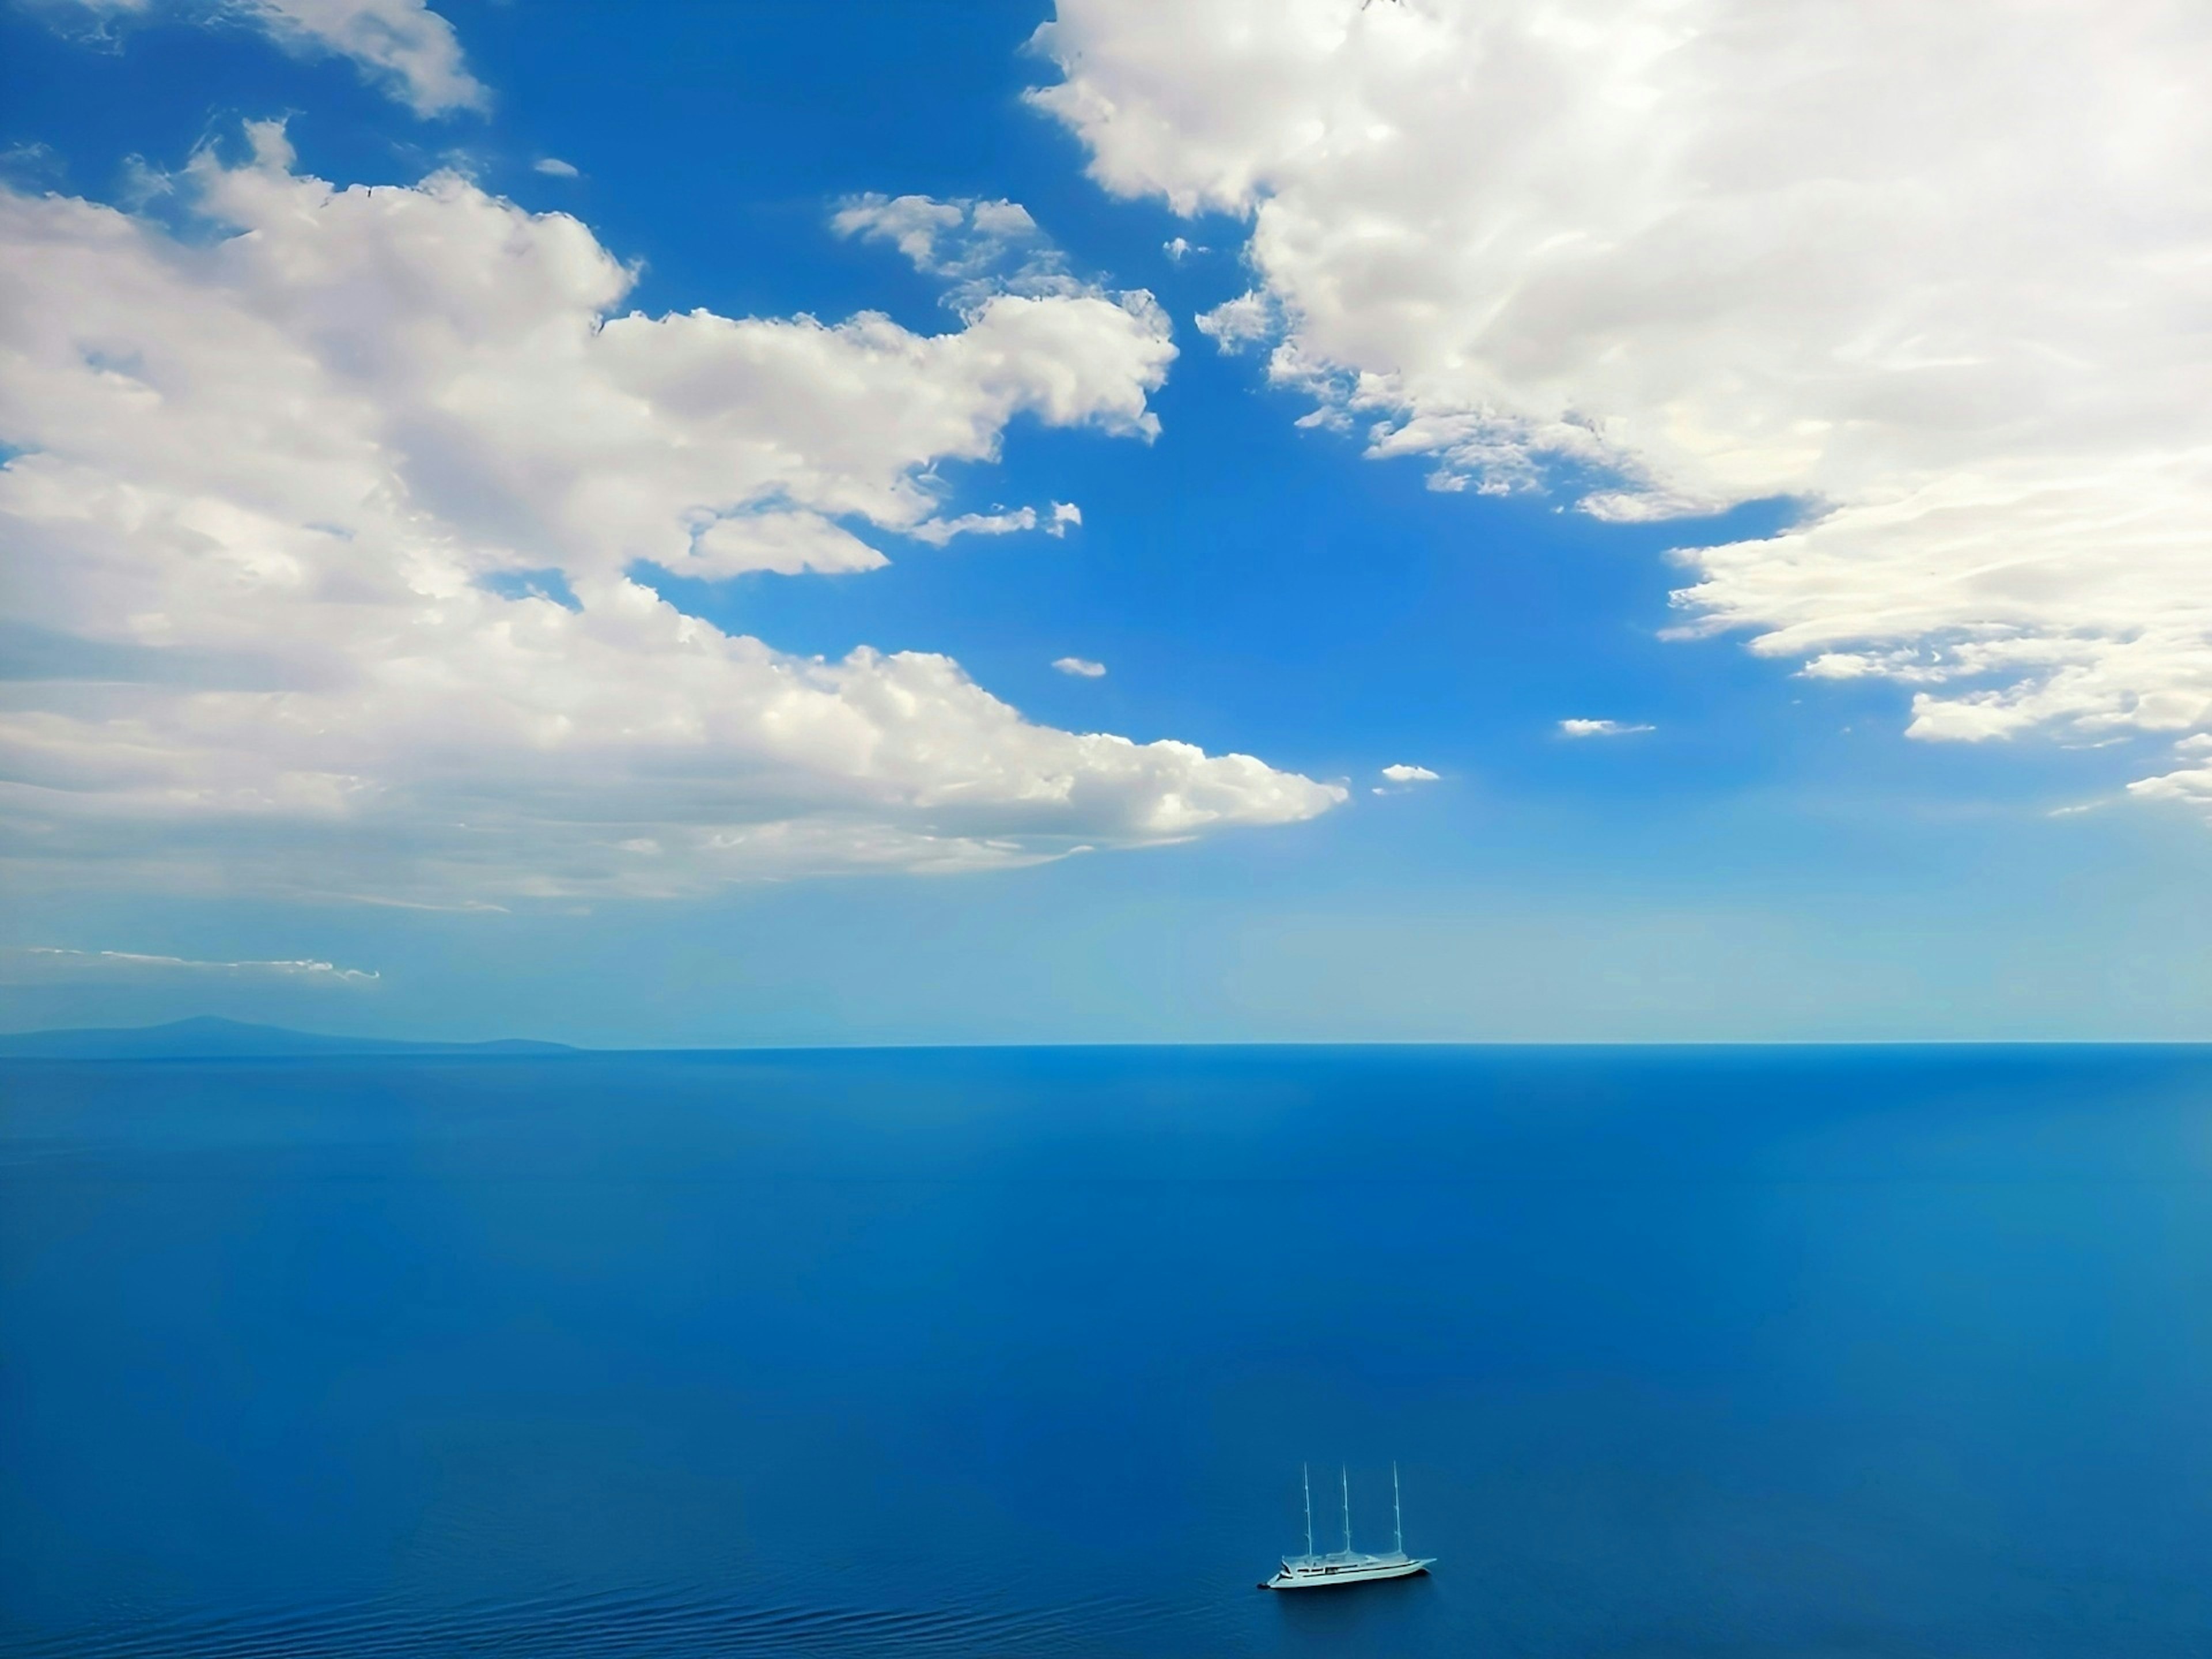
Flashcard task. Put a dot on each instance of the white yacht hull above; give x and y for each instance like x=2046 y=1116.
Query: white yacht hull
x=1325 y=1574
x=1314 y=1571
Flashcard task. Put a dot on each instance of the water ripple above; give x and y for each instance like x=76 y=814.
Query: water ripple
x=617 y=1623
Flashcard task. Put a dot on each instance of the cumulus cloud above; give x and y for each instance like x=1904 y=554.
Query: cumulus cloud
x=400 y=45
x=1940 y=273
x=1236 y=324
x=1081 y=667
x=1581 y=728
x=1179 y=248
x=50 y=962
x=553 y=167
x=333 y=517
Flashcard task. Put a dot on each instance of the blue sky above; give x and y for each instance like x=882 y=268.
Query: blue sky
x=1774 y=858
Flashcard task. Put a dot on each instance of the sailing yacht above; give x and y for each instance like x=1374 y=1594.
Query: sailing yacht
x=1348 y=1566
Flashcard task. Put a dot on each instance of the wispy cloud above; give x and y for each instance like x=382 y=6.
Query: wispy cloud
x=553 y=167
x=1081 y=667
x=1235 y=324
x=937 y=532
x=980 y=247
x=401 y=44
x=1573 y=728
x=56 y=962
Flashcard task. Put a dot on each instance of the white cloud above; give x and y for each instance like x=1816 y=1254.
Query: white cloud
x=1398 y=779
x=981 y=248
x=1236 y=324
x=270 y=479
x=1940 y=272
x=553 y=167
x=937 y=532
x=46 y=962
x=1581 y=728
x=402 y=44
x=777 y=536
x=1081 y=667
x=1179 y=248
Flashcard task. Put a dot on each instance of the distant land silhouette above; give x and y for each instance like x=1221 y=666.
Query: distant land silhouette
x=209 y=1038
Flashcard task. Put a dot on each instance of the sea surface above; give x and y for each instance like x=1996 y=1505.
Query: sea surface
x=1687 y=1352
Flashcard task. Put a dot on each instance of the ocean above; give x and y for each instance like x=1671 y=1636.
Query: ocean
x=1738 y=1352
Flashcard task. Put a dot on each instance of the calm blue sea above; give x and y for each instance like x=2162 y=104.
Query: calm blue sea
x=1714 y=1352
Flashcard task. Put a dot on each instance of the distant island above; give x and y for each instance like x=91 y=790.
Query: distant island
x=209 y=1038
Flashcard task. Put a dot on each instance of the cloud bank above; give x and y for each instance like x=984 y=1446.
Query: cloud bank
x=1943 y=274
x=327 y=517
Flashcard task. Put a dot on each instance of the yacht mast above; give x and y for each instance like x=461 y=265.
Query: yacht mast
x=1397 y=1512
x=1345 y=1474
x=1305 y=1474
